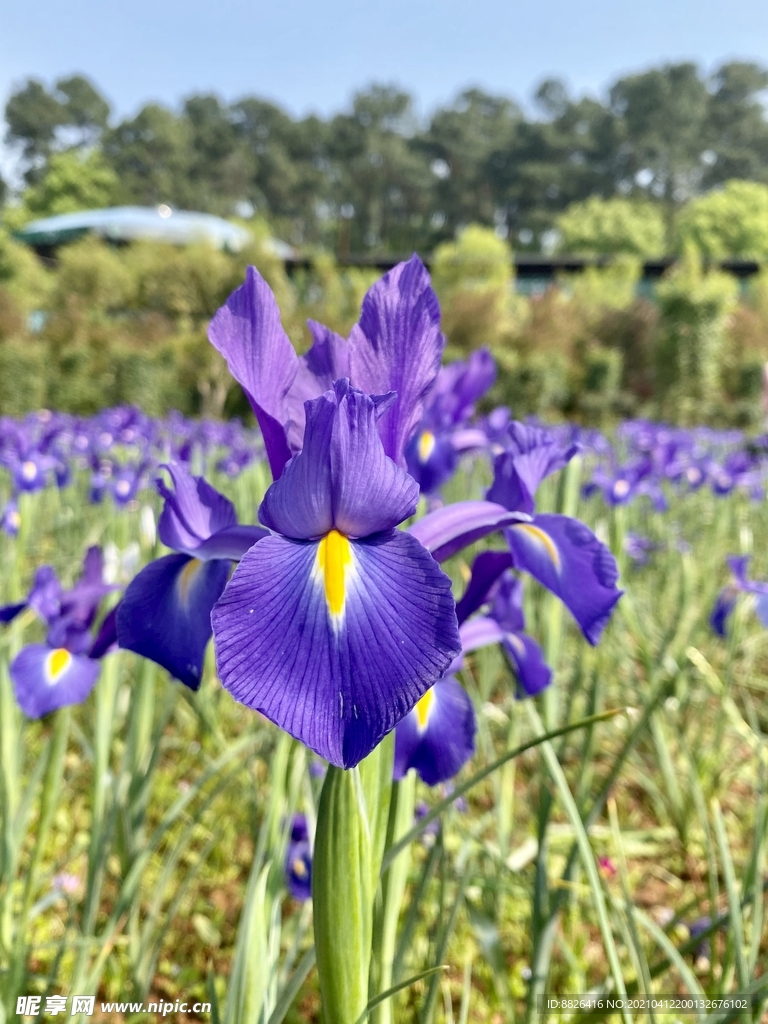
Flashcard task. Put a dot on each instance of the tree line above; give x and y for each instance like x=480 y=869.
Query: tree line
x=375 y=179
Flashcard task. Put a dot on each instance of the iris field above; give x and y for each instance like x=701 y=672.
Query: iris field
x=579 y=800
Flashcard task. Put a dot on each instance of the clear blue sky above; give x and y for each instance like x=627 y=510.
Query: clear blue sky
x=312 y=56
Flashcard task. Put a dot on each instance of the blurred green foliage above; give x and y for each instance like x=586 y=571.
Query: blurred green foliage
x=105 y=325
x=730 y=222
x=599 y=226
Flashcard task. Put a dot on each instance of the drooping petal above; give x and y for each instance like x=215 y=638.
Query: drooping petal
x=335 y=641
x=397 y=346
x=248 y=333
x=533 y=673
x=46 y=678
x=341 y=479
x=453 y=527
x=193 y=511
x=165 y=614
x=438 y=737
x=567 y=558
x=486 y=570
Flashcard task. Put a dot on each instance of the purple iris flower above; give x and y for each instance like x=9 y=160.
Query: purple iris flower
x=395 y=347
x=438 y=736
x=30 y=471
x=363 y=609
x=431 y=459
x=493 y=584
x=65 y=668
x=639 y=548
x=165 y=614
x=11 y=519
x=738 y=584
x=560 y=552
x=532 y=453
x=298 y=860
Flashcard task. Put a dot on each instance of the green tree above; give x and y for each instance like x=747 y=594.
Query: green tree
x=73 y=181
x=737 y=125
x=39 y=120
x=33 y=115
x=664 y=113
x=151 y=156
x=729 y=222
x=460 y=141
x=598 y=226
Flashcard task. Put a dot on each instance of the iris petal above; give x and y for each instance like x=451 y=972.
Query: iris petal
x=341 y=479
x=46 y=679
x=339 y=687
x=165 y=614
x=397 y=346
x=438 y=736
x=248 y=333
x=567 y=558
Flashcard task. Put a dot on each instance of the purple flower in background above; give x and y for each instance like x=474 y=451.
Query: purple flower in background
x=337 y=624
x=165 y=614
x=532 y=454
x=738 y=584
x=697 y=928
x=560 y=552
x=434 y=449
x=438 y=736
x=298 y=860
x=65 y=668
x=11 y=521
x=639 y=548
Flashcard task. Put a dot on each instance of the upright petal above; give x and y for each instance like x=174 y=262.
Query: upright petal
x=248 y=333
x=534 y=453
x=165 y=614
x=45 y=678
x=567 y=558
x=193 y=511
x=335 y=644
x=341 y=479
x=397 y=346
x=326 y=361
x=438 y=737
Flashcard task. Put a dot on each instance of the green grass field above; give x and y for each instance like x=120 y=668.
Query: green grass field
x=577 y=865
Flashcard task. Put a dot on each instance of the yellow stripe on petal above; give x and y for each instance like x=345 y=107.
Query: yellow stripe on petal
x=540 y=537
x=333 y=566
x=186 y=578
x=426 y=445
x=424 y=709
x=56 y=664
